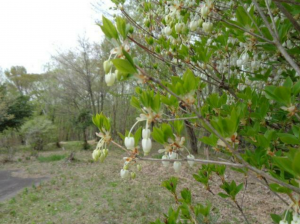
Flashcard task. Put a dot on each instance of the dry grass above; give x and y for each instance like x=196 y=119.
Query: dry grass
x=86 y=192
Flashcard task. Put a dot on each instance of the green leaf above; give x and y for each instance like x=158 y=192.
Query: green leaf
x=121 y=26
x=170 y=184
x=283 y=95
x=178 y=126
x=277 y=188
x=296 y=163
x=288 y=138
x=223 y=195
x=135 y=102
x=109 y=29
x=137 y=136
x=158 y=135
x=128 y=57
x=276 y=218
x=211 y=140
x=296 y=88
x=288 y=83
x=124 y=66
x=187 y=196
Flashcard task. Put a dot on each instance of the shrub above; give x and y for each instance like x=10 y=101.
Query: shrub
x=38 y=132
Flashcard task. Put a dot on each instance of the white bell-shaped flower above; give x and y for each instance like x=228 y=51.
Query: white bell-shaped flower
x=239 y=62
x=283 y=222
x=177 y=166
x=147 y=145
x=146 y=133
x=165 y=163
x=204 y=11
x=179 y=27
x=207 y=27
x=129 y=142
x=173 y=155
x=193 y=25
x=124 y=173
x=110 y=78
x=107 y=65
x=296 y=218
x=96 y=154
x=167 y=31
x=191 y=163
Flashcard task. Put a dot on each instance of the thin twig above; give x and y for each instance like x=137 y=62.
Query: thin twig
x=204 y=161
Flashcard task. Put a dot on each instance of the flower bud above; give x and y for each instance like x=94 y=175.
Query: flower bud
x=105 y=152
x=139 y=167
x=96 y=154
x=204 y=11
x=102 y=158
x=147 y=145
x=110 y=78
x=124 y=174
x=129 y=142
x=173 y=155
x=191 y=163
x=146 y=133
x=107 y=65
x=207 y=27
x=133 y=175
x=165 y=163
x=177 y=166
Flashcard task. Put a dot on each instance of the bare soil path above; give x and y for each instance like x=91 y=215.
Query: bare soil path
x=10 y=185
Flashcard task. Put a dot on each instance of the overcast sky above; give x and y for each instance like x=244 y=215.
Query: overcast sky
x=32 y=30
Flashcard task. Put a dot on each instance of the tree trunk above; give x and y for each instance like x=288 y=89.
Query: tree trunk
x=192 y=136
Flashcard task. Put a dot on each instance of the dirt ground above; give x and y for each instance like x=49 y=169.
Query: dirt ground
x=87 y=192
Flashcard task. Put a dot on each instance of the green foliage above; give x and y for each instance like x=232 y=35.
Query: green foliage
x=109 y=29
x=163 y=133
x=186 y=210
x=101 y=122
x=16 y=111
x=146 y=98
x=231 y=189
x=170 y=184
x=83 y=120
x=38 y=132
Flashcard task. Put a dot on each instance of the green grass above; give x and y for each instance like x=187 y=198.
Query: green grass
x=51 y=158
x=85 y=192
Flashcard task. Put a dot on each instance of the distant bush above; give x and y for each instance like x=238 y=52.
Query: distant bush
x=38 y=132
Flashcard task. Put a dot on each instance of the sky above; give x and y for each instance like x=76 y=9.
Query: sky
x=33 y=30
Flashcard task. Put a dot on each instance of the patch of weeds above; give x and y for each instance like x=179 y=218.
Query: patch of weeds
x=113 y=184
x=25 y=190
x=51 y=158
x=13 y=213
x=33 y=197
x=12 y=201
